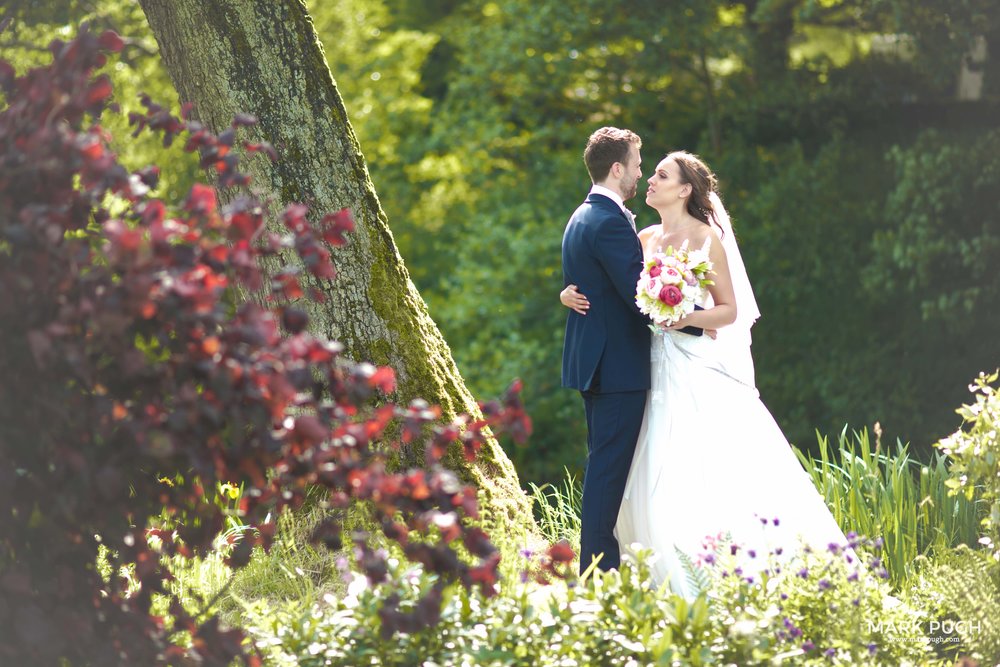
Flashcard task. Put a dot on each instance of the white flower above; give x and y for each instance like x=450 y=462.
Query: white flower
x=696 y=257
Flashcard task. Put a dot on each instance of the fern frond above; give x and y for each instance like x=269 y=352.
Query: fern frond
x=969 y=584
x=697 y=578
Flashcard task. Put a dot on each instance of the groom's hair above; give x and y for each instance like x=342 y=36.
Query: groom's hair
x=605 y=147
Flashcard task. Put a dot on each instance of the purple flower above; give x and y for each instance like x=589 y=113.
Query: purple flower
x=808 y=646
x=524 y=576
x=852 y=535
x=749 y=580
x=872 y=649
x=884 y=573
x=763 y=521
x=853 y=576
x=778 y=551
x=824 y=584
x=527 y=553
x=752 y=553
x=879 y=542
x=856 y=602
x=776 y=522
x=804 y=572
x=738 y=572
x=795 y=632
x=830 y=652
x=733 y=549
x=833 y=548
x=784 y=596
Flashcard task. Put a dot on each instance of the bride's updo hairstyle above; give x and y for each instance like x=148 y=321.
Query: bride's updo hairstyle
x=703 y=184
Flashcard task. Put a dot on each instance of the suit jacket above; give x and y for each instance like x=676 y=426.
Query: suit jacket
x=601 y=254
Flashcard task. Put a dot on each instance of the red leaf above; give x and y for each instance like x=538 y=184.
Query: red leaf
x=202 y=200
x=111 y=41
x=335 y=225
x=561 y=552
x=310 y=430
x=295 y=217
x=384 y=378
x=98 y=91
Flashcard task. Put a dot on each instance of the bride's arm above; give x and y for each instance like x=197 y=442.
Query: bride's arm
x=571 y=298
x=723 y=312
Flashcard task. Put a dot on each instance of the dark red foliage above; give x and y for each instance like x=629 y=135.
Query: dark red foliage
x=131 y=385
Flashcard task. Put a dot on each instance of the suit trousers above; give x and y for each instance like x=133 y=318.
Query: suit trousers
x=613 y=424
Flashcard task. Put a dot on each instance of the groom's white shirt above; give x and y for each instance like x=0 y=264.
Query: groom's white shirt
x=616 y=198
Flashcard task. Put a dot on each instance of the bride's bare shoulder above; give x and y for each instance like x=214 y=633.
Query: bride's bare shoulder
x=700 y=236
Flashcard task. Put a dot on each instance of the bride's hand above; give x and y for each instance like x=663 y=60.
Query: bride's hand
x=571 y=298
x=676 y=326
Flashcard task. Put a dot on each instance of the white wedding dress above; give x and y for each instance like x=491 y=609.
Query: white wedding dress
x=710 y=458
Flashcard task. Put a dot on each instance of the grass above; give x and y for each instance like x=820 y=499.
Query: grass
x=557 y=509
x=294 y=574
x=878 y=494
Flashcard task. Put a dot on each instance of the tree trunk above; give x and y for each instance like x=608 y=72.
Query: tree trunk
x=771 y=25
x=263 y=57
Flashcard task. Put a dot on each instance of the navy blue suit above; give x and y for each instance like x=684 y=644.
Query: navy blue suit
x=606 y=358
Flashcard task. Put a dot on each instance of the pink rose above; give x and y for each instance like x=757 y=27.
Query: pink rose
x=672 y=275
x=655 y=271
x=671 y=295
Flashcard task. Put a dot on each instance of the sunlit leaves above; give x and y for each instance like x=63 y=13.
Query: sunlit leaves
x=134 y=367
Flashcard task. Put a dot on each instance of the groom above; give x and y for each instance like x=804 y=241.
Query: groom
x=606 y=352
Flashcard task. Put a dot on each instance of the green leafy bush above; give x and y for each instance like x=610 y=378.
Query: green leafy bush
x=810 y=608
x=974 y=451
x=960 y=590
x=813 y=607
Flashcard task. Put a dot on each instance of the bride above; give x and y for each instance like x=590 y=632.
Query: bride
x=710 y=458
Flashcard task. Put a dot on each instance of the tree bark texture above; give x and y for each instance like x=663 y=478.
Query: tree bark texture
x=263 y=57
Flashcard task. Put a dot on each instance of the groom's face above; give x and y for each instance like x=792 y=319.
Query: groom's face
x=633 y=172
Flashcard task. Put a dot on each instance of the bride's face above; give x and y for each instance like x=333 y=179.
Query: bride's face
x=665 y=187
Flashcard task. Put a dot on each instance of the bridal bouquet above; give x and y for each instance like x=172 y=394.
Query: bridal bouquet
x=672 y=282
